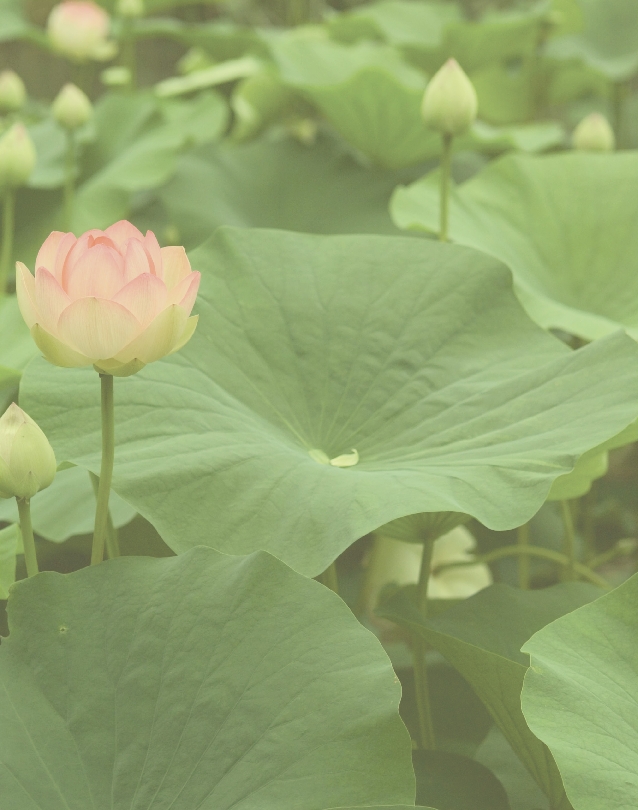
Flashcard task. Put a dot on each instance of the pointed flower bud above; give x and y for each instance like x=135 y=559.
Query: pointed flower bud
x=594 y=134
x=17 y=157
x=12 y=91
x=450 y=103
x=27 y=462
x=71 y=107
x=79 y=29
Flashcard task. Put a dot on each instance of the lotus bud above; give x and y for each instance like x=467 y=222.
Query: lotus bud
x=12 y=91
x=79 y=29
x=130 y=8
x=594 y=134
x=450 y=103
x=17 y=157
x=71 y=107
x=27 y=461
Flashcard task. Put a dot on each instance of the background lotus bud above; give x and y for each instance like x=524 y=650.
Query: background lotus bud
x=17 y=157
x=12 y=91
x=398 y=562
x=27 y=462
x=594 y=134
x=450 y=103
x=71 y=107
x=112 y=299
x=130 y=8
x=78 y=29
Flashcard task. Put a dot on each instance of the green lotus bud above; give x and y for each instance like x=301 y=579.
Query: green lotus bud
x=71 y=107
x=17 y=157
x=12 y=91
x=449 y=103
x=27 y=462
x=130 y=8
x=594 y=134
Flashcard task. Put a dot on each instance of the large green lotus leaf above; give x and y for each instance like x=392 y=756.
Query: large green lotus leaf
x=397 y=22
x=482 y=637
x=579 y=697
x=276 y=184
x=16 y=345
x=589 y=467
x=414 y=353
x=609 y=40
x=67 y=507
x=565 y=224
x=195 y=681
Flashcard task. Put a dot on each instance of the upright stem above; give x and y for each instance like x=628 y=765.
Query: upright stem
x=569 y=541
x=523 y=560
x=26 y=529
x=426 y=727
x=128 y=51
x=446 y=171
x=8 y=226
x=69 y=180
x=618 y=96
x=106 y=471
x=112 y=539
x=329 y=578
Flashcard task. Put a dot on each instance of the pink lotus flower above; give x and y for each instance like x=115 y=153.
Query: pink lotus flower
x=79 y=30
x=112 y=299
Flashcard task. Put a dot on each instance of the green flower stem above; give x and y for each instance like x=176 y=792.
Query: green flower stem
x=8 y=226
x=106 y=472
x=112 y=540
x=69 y=180
x=619 y=93
x=523 y=561
x=26 y=529
x=329 y=578
x=128 y=53
x=422 y=690
x=569 y=541
x=446 y=173
x=533 y=551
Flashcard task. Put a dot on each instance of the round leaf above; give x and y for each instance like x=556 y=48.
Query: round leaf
x=415 y=354
x=199 y=681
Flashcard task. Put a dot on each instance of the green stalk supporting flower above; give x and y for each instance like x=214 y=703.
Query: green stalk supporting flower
x=450 y=106
x=72 y=110
x=97 y=318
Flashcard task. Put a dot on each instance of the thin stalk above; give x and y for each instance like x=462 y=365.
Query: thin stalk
x=329 y=578
x=569 y=541
x=26 y=529
x=618 y=95
x=533 y=551
x=69 y=180
x=128 y=51
x=523 y=560
x=426 y=727
x=112 y=539
x=446 y=174
x=8 y=227
x=106 y=471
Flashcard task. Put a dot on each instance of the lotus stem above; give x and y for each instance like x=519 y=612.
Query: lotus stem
x=106 y=471
x=422 y=690
x=533 y=551
x=26 y=529
x=446 y=173
x=112 y=540
x=569 y=541
x=523 y=560
x=8 y=227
